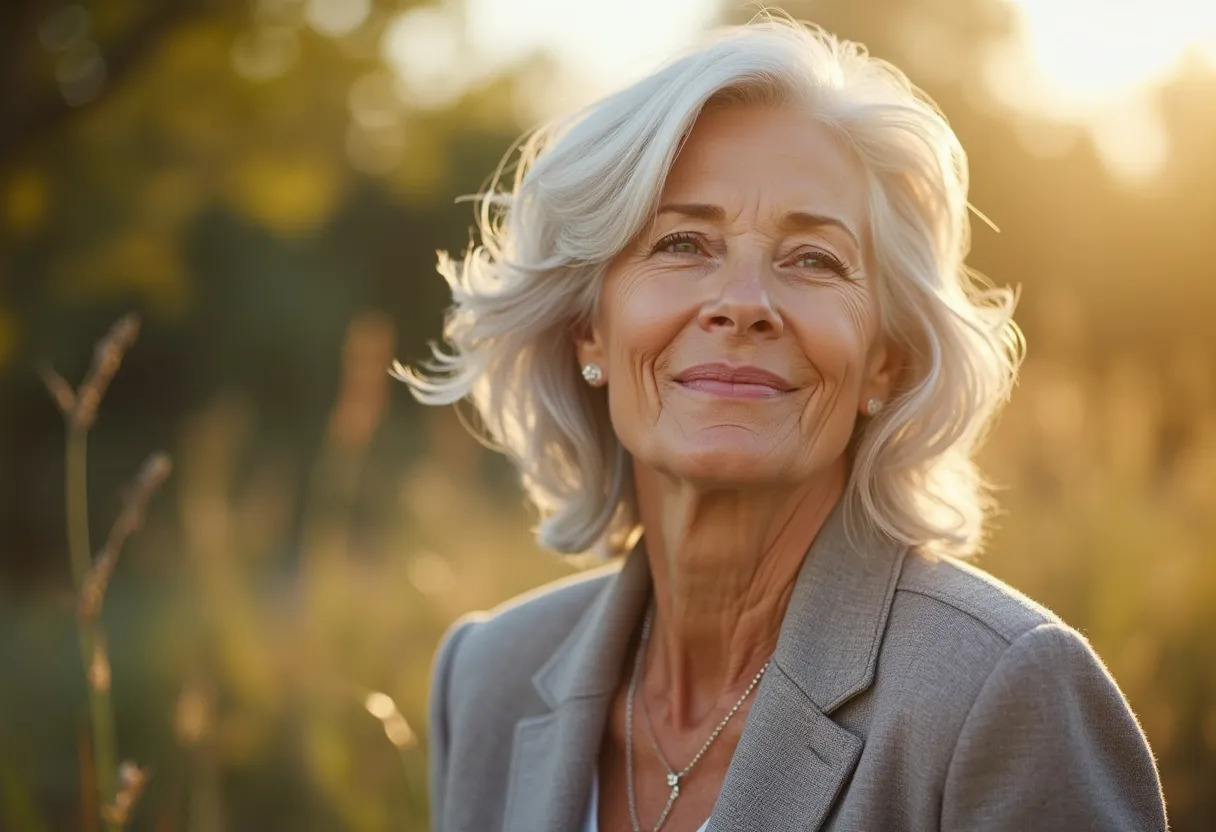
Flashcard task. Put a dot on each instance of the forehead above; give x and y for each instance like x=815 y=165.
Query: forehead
x=771 y=159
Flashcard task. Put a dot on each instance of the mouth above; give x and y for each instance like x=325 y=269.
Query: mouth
x=741 y=382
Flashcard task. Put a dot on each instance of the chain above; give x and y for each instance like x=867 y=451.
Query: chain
x=673 y=776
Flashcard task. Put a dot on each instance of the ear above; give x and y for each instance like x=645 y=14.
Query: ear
x=589 y=346
x=884 y=366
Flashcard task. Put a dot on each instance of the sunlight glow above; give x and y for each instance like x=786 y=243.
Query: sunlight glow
x=380 y=705
x=337 y=17
x=1095 y=50
x=1098 y=63
x=604 y=45
x=1092 y=65
x=423 y=47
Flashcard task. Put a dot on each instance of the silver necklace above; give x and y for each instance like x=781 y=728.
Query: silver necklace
x=673 y=777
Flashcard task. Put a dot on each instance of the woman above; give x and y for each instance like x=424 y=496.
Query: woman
x=722 y=324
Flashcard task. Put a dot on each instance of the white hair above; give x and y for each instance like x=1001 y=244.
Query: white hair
x=585 y=185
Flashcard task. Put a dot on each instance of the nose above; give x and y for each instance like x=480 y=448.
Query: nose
x=743 y=306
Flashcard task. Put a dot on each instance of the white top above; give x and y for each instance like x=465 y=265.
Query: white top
x=591 y=819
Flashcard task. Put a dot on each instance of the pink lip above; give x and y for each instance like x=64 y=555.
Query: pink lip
x=737 y=382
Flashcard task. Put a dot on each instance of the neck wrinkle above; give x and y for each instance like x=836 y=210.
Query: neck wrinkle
x=723 y=566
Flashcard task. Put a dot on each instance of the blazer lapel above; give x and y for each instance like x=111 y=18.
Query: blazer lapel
x=551 y=765
x=793 y=760
x=789 y=766
x=555 y=753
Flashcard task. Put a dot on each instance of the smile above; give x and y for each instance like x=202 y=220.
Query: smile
x=744 y=382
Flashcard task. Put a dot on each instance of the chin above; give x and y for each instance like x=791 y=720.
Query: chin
x=727 y=464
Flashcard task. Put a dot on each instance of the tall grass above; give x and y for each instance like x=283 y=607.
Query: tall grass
x=118 y=786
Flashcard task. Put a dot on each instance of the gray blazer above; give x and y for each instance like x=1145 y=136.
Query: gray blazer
x=907 y=694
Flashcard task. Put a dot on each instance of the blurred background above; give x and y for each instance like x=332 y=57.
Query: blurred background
x=266 y=183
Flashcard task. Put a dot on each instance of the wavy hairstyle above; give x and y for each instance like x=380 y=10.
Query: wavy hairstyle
x=584 y=185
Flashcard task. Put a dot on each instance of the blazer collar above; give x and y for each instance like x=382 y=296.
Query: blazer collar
x=826 y=653
x=833 y=627
x=588 y=662
x=829 y=639
x=554 y=753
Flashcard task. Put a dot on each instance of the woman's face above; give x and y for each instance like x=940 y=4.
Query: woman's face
x=738 y=333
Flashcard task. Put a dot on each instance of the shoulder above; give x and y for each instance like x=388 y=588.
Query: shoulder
x=1042 y=736
x=952 y=626
x=994 y=636
x=511 y=641
x=969 y=596
x=981 y=659
x=481 y=684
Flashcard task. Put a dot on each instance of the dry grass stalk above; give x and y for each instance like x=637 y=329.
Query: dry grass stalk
x=107 y=357
x=80 y=406
x=98 y=673
x=90 y=814
x=131 y=782
x=92 y=594
x=90 y=578
x=61 y=391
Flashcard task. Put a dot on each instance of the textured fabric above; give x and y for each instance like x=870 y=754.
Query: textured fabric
x=907 y=693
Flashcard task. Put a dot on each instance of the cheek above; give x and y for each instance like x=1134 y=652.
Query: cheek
x=644 y=314
x=834 y=326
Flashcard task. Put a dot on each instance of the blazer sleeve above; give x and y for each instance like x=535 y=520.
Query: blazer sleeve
x=1049 y=744
x=437 y=716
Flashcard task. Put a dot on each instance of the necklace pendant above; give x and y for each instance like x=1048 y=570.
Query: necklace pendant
x=673 y=780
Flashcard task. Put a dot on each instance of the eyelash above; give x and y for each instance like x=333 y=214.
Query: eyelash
x=831 y=262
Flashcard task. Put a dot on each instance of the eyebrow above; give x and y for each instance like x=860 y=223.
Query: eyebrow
x=794 y=220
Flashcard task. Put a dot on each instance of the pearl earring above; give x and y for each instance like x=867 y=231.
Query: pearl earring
x=873 y=405
x=593 y=374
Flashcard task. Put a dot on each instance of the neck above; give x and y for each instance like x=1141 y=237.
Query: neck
x=723 y=565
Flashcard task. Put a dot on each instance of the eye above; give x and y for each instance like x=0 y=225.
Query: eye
x=815 y=259
x=681 y=242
